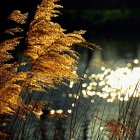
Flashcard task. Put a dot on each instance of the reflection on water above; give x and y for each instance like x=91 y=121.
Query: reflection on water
x=113 y=84
x=114 y=72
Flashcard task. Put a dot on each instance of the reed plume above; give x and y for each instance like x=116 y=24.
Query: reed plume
x=49 y=58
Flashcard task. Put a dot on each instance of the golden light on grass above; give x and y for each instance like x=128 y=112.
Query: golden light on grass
x=48 y=59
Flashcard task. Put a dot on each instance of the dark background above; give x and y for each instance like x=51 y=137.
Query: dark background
x=96 y=16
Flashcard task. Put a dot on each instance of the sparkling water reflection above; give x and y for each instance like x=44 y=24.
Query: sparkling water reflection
x=113 y=84
x=114 y=72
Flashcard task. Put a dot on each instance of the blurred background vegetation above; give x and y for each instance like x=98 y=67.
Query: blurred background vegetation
x=102 y=16
x=98 y=16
